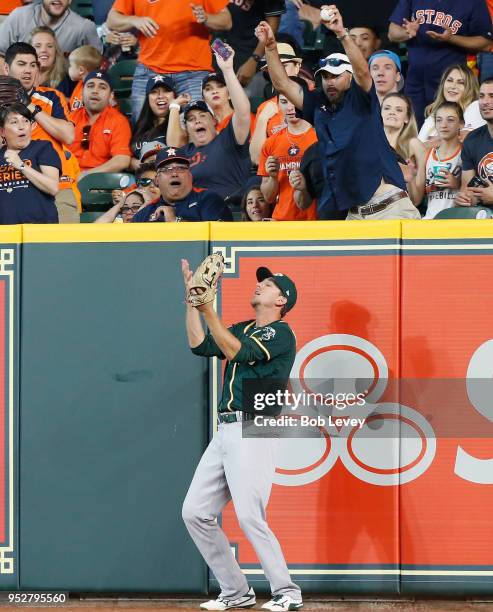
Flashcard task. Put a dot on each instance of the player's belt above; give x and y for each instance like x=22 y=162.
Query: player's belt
x=369 y=209
x=234 y=417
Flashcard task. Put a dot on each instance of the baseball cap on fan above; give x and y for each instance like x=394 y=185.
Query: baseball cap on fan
x=335 y=63
x=285 y=284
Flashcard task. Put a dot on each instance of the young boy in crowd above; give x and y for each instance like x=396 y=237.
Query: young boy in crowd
x=82 y=61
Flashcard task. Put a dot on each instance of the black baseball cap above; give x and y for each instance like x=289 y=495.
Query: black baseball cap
x=168 y=155
x=98 y=74
x=196 y=105
x=213 y=76
x=161 y=80
x=285 y=284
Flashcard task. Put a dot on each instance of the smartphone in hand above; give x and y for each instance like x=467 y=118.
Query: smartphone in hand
x=220 y=48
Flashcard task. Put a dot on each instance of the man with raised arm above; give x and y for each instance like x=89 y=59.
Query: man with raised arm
x=361 y=172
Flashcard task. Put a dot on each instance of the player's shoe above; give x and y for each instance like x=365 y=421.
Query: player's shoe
x=222 y=603
x=282 y=603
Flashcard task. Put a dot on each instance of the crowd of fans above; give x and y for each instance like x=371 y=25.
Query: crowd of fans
x=362 y=132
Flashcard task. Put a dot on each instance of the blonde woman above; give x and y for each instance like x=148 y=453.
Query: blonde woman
x=460 y=85
x=52 y=64
x=401 y=129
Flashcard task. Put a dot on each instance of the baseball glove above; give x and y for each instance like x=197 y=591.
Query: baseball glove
x=203 y=286
x=12 y=91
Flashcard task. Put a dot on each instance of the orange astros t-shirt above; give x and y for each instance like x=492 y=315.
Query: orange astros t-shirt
x=109 y=136
x=289 y=149
x=275 y=123
x=181 y=43
x=54 y=104
x=75 y=101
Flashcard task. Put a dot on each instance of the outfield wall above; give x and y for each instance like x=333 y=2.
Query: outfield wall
x=106 y=412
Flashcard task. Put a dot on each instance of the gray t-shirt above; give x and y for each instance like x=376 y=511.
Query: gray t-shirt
x=71 y=31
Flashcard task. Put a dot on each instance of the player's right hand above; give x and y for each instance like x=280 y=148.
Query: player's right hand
x=146 y=25
x=187 y=274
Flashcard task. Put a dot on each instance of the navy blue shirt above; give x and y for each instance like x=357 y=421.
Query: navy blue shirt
x=477 y=153
x=222 y=166
x=197 y=206
x=354 y=150
x=463 y=17
x=20 y=200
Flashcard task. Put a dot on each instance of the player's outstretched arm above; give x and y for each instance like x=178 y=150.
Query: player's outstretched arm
x=229 y=344
x=195 y=331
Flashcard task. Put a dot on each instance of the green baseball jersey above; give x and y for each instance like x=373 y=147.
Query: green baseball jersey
x=266 y=353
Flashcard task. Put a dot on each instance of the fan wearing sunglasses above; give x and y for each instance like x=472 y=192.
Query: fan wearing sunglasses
x=102 y=133
x=125 y=210
x=361 y=173
x=145 y=177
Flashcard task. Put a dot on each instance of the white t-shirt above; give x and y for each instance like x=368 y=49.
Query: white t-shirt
x=438 y=198
x=472 y=120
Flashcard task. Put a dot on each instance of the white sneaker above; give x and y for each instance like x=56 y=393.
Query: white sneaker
x=281 y=603
x=221 y=603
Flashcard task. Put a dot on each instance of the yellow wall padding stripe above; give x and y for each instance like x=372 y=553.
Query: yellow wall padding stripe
x=447 y=229
x=116 y=232
x=10 y=234
x=305 y=230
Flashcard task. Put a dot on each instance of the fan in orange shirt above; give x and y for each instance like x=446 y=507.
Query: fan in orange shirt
x=7 y=6
x=269 y=119
x=174 y=38
x=280 y=157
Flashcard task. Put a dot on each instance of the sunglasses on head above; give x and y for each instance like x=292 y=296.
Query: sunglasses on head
x=84 y=143
x=333 y=62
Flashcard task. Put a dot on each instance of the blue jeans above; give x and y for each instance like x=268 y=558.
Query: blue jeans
x=189 y=81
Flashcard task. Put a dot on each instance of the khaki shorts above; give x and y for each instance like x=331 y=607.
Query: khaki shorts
x=400 y=209
x=68 y=211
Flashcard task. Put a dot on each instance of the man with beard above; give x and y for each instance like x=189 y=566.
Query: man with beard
x=49 y=110
x=477 y=155
x=361 y=172
x=102 y=133
x=71 y=30
x=179 y=200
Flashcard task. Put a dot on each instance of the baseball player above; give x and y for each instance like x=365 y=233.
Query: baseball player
x=236 y=467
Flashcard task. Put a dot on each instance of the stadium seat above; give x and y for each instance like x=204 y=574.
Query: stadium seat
x=465 y=212
x=83 y=8
x=89 y=217
x=125 y=107
x=95 y=189
x=122 y=74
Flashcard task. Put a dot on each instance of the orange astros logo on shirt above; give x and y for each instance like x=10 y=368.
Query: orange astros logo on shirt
x=485 y=168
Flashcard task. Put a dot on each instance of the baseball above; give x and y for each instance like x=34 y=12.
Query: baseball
x=326 y=14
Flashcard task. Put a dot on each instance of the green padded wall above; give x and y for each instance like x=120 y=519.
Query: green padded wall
x=113 y=418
